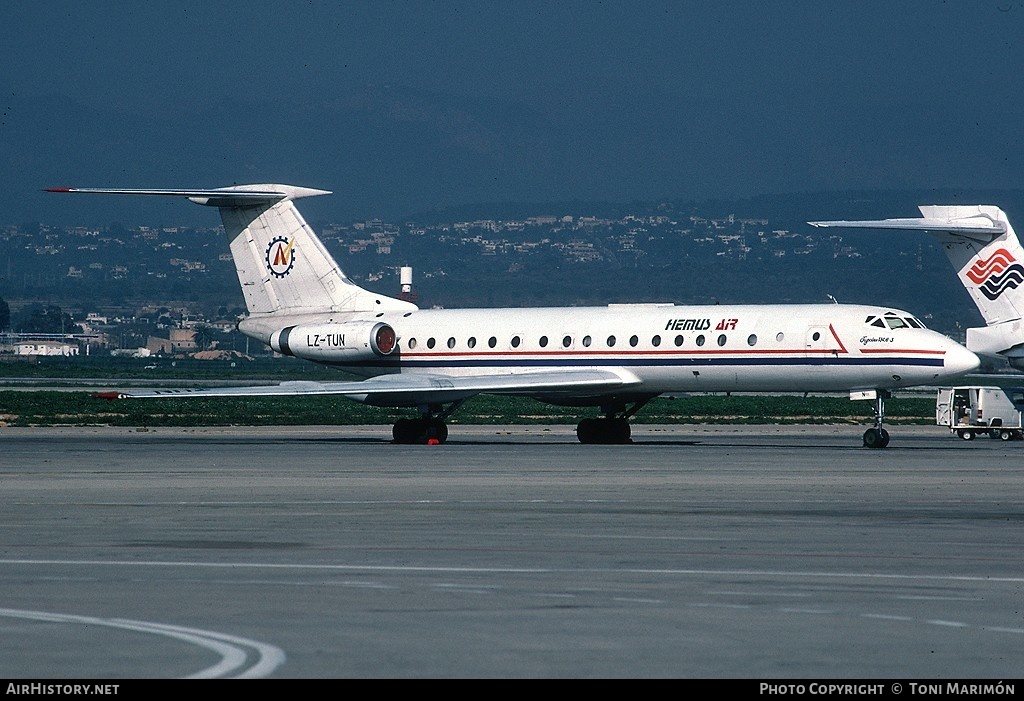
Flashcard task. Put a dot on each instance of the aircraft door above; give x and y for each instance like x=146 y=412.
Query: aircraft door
x=817 y=341
x=821 y=348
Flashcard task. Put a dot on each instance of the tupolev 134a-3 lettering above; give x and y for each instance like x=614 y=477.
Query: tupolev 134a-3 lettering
x=614 y=358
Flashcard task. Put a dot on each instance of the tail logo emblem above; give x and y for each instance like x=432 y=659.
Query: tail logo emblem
x=996 y=274
x=280 y=256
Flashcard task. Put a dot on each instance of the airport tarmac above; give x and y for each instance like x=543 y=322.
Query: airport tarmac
x=734 y=552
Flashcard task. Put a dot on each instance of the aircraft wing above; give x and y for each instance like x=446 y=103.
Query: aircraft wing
x=415 y=388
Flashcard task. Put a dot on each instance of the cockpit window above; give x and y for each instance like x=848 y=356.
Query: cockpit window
x=914 y=323
x=895 y=322
x=878 y=322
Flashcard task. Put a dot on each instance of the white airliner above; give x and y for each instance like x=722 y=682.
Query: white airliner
x=616 y=358
x=989 y=260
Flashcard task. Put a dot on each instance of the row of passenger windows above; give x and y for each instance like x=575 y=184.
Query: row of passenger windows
x=587 y=341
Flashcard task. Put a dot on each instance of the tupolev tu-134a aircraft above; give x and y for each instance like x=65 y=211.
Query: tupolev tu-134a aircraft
x=616 y=358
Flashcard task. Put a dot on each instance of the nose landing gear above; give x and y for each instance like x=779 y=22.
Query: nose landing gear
x=878 y=437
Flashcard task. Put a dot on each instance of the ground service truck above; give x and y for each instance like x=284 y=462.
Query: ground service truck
x=988 y=411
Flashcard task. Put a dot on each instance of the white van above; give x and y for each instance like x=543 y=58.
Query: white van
x=990 y=411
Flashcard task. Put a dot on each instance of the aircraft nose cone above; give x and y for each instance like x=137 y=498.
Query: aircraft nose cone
x=959 y=360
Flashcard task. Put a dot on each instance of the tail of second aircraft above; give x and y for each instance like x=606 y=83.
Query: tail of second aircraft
x=282 y=266
x=989 y=260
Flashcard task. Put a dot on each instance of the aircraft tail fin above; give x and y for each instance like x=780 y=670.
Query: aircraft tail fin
x=281 y=264
x=987 y=255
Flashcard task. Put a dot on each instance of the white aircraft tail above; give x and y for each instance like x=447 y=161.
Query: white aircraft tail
x=989 y=260
x=281 y=264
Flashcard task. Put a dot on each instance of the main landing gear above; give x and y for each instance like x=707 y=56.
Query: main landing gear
x=429 y=429
x=612 y=429
x=878 y=437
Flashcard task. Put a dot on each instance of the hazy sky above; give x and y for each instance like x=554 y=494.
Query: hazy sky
x=490 y=101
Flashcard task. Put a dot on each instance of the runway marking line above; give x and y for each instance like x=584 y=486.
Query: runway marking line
x=521 y=570
x=232 y=649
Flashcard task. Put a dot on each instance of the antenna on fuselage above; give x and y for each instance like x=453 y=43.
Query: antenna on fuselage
x=834 y=300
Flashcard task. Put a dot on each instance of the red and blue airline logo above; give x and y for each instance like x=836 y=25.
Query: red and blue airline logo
x=996 y=274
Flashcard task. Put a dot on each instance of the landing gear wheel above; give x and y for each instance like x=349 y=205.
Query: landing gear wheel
x=588 y=431
x=606 y=431
x=437 y=430
x=405 y=431
x=419 y=431
x=876 y=438
x=619 y=431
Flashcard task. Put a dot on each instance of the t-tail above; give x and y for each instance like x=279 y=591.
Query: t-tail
x=283 y=268
x=989 y=261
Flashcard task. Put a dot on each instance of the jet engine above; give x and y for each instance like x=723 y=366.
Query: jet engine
x=331 y=343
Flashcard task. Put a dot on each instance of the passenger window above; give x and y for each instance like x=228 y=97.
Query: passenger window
x=471 y=342
x=430 y=343
x=586 y=341
x=679 y=341
x=721 y=339
x=412 y=343
x=752 y=340
x=492 y=342
x=451 y=342
x=611 y=341
x=633 y=340
x=780 y=337
x=656 y=341
x=515 y=341
x=816 y=336
x=700 y=340
x=567 y=341
x=543 y=341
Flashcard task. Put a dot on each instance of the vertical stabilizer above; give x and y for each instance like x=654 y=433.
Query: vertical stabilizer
x=990 y=265
x=283 y=265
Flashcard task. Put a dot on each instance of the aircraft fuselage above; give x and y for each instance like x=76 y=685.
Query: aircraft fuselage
x=664 y=348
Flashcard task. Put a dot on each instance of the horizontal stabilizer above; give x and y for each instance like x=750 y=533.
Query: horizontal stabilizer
x=240 y=196
x=984 y=226
x=920 y=224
